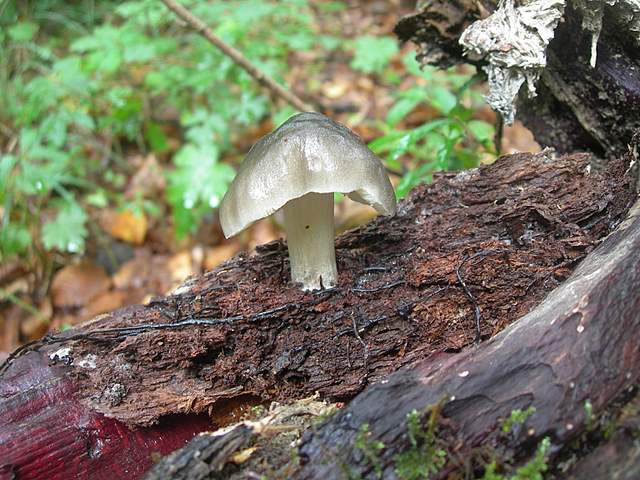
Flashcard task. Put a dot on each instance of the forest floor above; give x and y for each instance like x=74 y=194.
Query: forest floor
x=139 y=259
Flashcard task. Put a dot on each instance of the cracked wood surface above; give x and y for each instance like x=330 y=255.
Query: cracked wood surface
x=582 y=344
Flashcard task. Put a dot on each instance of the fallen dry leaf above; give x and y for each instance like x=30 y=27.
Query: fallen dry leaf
x=243 y=455
x=10 y=327
x=215 y=256
x=518 y=138
x=350 y=214
x=180 y=266
x=35 y=326
x=148 y=179
x=77 y=285
x=133 y=273
x=103 y=303
x=126 y=226
x=263 y=231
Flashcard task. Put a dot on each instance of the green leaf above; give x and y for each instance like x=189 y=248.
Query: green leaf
x=38 y=178
x=283 y=115
x=196 y=185
x=329 y=42
x=401 y=147
x=373 y=54
x=443 y=99
x=386 y=142
x=301 y=41
x=97 y=199
x=141 y=52
x=14 y=240
x=156 y=138
x=23 y=31
x=54 y=127
x=482 y=131
x=106 y=61
x=7 y=164
x=400 y=110
x=67 y=232
x=86 y=44
x=415 y=69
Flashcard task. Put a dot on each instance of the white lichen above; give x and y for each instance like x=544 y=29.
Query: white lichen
x=514 y=42
x=61 y=354
x=88 y=362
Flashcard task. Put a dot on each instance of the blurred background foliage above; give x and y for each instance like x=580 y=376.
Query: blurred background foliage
x=121 y=128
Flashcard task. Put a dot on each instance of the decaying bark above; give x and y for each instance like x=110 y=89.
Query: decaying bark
x=580 y=345
x=578 y=107
x=480 y=246
x=46 y=433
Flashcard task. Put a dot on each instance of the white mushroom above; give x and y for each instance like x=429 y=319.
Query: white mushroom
x=297 y=168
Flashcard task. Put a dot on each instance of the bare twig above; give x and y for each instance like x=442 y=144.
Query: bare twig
x=467 y=291
x=236 y=56
x=364 y=346
x=474 y=302
x=377 y=289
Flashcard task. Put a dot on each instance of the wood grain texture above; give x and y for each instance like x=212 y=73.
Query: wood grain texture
x=47 y=433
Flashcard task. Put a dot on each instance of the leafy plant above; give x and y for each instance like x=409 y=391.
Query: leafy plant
x=451 y=140
x=83 y=84
x=370 y=449
x=532 y=470
x=373 y=54
x=424 y=457
x=517 y=417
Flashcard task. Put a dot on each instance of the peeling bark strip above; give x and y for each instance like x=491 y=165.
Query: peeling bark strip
x=578 y=107
x=512 y=231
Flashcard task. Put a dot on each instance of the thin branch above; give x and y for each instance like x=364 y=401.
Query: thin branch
x=237 y=56
x=474 y=302
x=109 y=334
x=377 y=289
x=364 y=346
x=467 y=291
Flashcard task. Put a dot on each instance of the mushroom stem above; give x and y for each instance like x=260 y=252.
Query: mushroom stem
x=308 y=221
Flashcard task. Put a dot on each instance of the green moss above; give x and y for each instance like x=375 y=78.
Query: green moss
x=369 y=448
x=517 y=417
x=423 y=458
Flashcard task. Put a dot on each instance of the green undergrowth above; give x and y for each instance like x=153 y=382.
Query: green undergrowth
x=88 y=87
x=431 y=451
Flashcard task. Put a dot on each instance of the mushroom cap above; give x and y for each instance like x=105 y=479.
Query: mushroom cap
x=308 y=153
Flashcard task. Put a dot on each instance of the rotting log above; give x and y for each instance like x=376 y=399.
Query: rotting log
x=481 y=247
x=577 y=107
x=582 y=344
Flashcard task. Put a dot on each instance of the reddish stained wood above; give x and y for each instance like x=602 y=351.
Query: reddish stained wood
x=47 y=433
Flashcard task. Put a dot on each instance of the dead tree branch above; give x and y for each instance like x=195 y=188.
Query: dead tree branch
x=263 y=79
